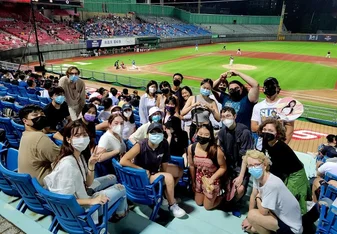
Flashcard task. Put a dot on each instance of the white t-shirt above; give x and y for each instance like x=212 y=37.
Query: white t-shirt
x=140 y=133
x=263 y=110
x=94 y=94
x=44 y=93
x=328 y=167
x=110 y=143
x=128 y=129
x=67 y=178
x=277 y=198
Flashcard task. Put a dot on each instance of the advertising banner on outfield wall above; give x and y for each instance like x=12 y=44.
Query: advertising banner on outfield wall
x=111 y=42
x=322 y=38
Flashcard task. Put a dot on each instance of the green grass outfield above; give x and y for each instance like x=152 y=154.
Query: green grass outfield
x=292 y=75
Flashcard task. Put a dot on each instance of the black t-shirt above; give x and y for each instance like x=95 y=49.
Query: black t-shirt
x=284 y=160
x=152 y=159
x=179 y=143
x=56 y=116
x=329 y=151
x=180 y=98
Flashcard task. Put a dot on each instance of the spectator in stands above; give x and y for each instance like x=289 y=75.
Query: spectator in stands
x=73 y=176
x=74 y=91
x=123 y=100
x=239 y=97
x=272 y=207
x=176 y=90
x=36 y=151
x=96 y=101
x=147 y=101
x=285 y=163
x=176 y=137
x=330 y=149
x=57 y=111
x=105 y=114
x=201 y=107
x=125 y=93
x=186 y=93
x=235 y=139
x=47 y=85
x=31 y=89
x=330 y=167
x=135 y=94
x=153 y=155
x=89 y=113
x=15 y=80
x=99 y=93
x=171 y=104
x=264 y=109
x=23 y=82
x=166 y=92
x=111 y=145
x=129 y=121
x=155 y=116
x=207 y=167
x=7 y=77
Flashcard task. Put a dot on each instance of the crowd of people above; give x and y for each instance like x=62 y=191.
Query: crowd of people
x=226 y=137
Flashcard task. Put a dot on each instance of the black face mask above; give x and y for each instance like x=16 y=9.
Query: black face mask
x=165 y=90
x=222 y=89
x=176 y=82
x=270 y=91
x=203 y=140
x=235 y=94
x=267 y=136
x=170 y=109
x=39 y=123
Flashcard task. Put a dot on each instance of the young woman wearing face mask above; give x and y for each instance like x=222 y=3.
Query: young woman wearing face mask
x=88 y=118
x=72 y=175
x=147 y=101
x=171 y=105
x=207 y=167
x=201 y=107
x=186 y=93
x=153 y=155
x=285 y=163
x=166 y=91
x=111 y=145
x=176 y=137
x=239 y=97
x=129 y=122
x=272 y=207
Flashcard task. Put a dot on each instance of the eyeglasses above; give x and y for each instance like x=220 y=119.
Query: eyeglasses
x=254 y=166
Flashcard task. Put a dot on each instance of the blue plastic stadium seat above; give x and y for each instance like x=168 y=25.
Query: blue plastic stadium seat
x=327 y=222
x=71 y=216
x=19 y=129
x=33 y=96
x=138 y=187
x=179 y=161
x=23 y=101
x=34 y=102
x=98 y=135
x=44 y=99
x=11 y=136
x=22 y=92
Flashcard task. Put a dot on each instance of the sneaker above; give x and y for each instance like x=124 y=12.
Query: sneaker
x=177 y=211
x=164 y=202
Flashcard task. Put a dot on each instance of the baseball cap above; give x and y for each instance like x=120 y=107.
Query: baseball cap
x=155 y=126
x=154 y=110
x=114 y=107
x=271 y=81
x=126 y=106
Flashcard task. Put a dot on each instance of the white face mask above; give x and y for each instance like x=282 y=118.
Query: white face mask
x=228 y=122
x=152 y=90
x=117 y=129
x=80 y=143
x=127 y=114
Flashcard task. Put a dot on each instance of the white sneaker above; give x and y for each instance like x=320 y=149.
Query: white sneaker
x=164 y=202
x=177 y=211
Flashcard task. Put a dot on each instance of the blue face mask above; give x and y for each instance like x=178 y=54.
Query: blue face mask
x=60 y=99
x=74 y=78
x=156 y=118
x=205 y=92
x=156 y=138
x=256 y=172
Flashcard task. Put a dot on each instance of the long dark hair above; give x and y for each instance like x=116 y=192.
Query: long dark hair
x=173 y=100
x=69 y=130
x=212 y=148
x=132 y=117
x=244 y=89
x=151 y=82
x=288 y=106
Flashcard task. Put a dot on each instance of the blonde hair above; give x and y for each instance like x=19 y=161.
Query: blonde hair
x=255 y=154
x=71 y=68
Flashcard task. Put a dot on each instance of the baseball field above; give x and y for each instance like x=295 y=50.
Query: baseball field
x=302 y=68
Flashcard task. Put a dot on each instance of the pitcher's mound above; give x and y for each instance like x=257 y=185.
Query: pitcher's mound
x=240 y=67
